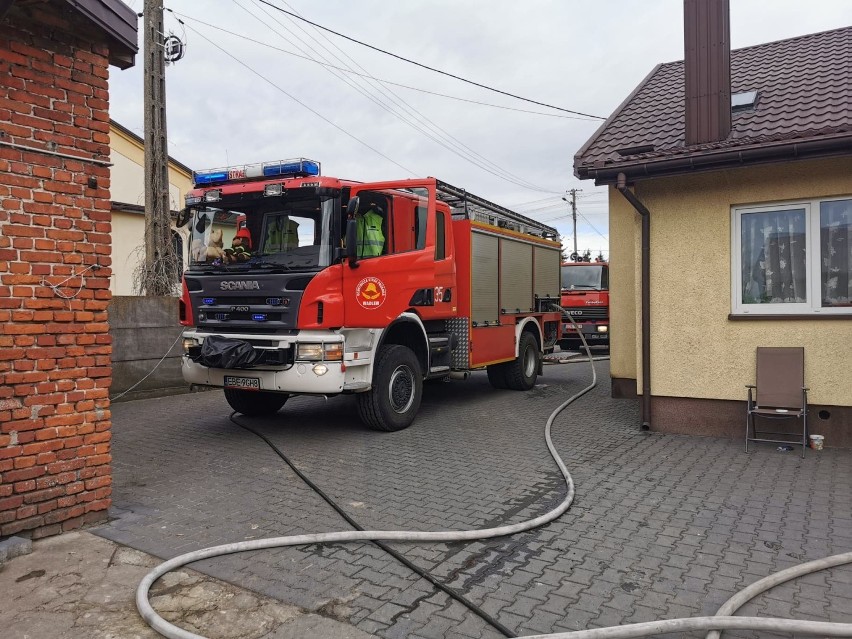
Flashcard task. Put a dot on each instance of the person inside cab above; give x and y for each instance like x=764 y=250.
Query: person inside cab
x=282 y=234
x=371 y=239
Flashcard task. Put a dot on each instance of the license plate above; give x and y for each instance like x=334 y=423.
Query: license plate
x=248 y=383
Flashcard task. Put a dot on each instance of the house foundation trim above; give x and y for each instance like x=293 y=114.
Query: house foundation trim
x=726 y=418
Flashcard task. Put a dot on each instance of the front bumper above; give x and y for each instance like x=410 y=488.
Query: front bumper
x=592 y=332
x=326 y=377
x=299 y=378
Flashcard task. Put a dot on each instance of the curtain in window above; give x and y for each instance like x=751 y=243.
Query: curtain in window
x=835 y=224
x=774 y=256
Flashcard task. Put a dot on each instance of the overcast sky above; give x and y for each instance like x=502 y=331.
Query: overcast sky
x=237 y=99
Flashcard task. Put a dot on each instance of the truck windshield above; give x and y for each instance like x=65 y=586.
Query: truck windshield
x=292 y=233
x=592 y=276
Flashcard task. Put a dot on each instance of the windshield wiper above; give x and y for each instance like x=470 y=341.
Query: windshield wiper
x=257 y=261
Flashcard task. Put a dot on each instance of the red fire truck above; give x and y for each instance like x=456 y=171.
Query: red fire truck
x=456 y=284
x=585 y=296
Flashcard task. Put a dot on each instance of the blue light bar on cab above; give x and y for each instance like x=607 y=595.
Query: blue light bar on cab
x=294 y=168
x=299 y=167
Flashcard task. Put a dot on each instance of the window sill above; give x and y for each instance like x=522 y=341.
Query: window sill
x=798 y=316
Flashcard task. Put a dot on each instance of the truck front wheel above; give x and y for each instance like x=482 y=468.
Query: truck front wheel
x=394 y=400
x=255 y=403
x=522 y=372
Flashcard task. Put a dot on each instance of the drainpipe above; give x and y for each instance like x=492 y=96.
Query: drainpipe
x=621 y=185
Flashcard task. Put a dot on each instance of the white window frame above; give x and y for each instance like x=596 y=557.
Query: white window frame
x=812 y=263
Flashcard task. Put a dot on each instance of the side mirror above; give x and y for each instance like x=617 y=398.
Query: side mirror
x=352 y=239
x=352 y=206
x=183 y=217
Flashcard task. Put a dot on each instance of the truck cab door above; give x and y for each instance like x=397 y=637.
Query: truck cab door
x=377 y=288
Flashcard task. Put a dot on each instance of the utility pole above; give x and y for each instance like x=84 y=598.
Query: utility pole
x=573 y=202
x=158 y=276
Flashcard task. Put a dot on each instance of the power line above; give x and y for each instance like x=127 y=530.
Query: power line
x=366 y=75
x=410 y=116
x=424 y=66
x=297 y=100
x=501 y=173
x=593 y=227
x=508 y=175
x=544 y=199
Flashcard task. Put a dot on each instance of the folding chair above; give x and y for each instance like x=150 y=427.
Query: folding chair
x=779 y=393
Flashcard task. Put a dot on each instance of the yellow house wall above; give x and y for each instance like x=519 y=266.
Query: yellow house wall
x=127 y=186
x=696 y=351
x=624 y=296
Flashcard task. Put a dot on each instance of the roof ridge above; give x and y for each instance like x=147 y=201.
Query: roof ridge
x=798 y=37
x=771 y=42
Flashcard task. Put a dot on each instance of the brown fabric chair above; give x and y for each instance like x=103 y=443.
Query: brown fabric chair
x=779 y=393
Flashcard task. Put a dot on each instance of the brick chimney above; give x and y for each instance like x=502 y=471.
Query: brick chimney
x=707 y=70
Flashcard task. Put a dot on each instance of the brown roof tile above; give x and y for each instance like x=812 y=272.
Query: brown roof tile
x=805 y=92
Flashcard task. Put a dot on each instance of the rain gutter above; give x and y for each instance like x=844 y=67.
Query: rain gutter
x=643 y=211
x=826 y=146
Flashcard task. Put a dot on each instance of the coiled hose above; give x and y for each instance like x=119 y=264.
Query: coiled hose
x=169 y=630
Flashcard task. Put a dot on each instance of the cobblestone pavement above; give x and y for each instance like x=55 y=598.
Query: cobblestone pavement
x=663 y=526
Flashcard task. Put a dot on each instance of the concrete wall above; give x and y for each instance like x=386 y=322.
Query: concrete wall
x=143 y=330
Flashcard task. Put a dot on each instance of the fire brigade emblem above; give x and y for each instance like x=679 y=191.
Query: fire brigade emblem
x=371 y=293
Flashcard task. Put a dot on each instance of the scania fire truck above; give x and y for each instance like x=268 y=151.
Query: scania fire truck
x=452 y=284
x=585 y=297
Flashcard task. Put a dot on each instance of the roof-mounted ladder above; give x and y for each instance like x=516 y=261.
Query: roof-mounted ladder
x=468 y=206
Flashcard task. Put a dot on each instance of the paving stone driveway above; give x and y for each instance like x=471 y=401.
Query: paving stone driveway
x=662 y=526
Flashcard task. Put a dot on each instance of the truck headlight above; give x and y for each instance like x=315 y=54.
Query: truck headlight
x=331 y=352
x=309 y=352
x=603 y=329
x=188 y=343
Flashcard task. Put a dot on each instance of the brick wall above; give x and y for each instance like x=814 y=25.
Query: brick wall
x=54 y=232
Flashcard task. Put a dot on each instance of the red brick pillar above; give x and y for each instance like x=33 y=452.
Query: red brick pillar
x=55 y=240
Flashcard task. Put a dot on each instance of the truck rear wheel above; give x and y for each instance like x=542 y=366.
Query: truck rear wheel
x=522 y=372
x=255 y=403
x=394 y=400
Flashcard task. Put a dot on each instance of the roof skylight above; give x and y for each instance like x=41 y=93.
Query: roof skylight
x=744 y=100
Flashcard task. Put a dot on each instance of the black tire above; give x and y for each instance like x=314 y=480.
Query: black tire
x=394 y=400
x=523 y=371
x=497 y=375
x=255 y=403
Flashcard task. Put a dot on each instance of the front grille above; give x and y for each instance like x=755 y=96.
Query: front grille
x=225 y=300
x=257 y=328
x=588 y=312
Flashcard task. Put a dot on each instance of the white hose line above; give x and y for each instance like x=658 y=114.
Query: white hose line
x=171 y=631
x=826 y=629
x=798 y=626
x=747 y=594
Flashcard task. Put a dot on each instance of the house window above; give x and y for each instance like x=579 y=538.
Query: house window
x=793 y=258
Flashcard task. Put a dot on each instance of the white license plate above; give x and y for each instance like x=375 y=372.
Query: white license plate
x=248 y=383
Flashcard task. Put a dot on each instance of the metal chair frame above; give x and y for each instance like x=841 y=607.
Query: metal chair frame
x=778 y=365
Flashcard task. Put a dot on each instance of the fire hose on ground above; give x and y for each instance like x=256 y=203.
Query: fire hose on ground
x=722 y=621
